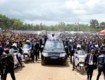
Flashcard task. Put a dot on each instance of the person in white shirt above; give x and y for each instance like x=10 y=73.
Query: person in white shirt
x=53 y=37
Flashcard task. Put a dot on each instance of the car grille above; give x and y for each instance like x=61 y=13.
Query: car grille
x=54 y=54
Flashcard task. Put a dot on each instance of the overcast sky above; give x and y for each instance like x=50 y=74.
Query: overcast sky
x=54 y=11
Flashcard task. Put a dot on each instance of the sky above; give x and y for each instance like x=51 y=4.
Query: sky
x=51 y=12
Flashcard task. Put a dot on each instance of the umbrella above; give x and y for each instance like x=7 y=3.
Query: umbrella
x=102 y=32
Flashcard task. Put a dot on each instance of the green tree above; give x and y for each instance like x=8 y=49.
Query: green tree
x=16 y=23
x=94 y=23
x=3 y=21
x=102 y=24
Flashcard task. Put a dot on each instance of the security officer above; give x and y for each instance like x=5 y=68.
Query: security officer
x=37 y=48
x=73 y=62
x=1 y=53
x=8 y=66
x=42 y=43
x=101 y=63
x=33 y=50
x=13 y=50
x=71 y=49
x=90 y=62
x=65 y=42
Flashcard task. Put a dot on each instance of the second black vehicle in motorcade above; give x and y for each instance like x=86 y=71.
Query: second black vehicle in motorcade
x=54 y=50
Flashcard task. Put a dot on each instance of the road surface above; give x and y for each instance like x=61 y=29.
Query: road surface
x=35 y=71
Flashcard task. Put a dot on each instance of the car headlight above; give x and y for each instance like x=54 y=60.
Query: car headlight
x=45 y=54
x=62 y=54
x=81 y=60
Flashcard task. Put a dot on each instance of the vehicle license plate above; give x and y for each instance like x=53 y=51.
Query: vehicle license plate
x=53 y=57
x=54 y=54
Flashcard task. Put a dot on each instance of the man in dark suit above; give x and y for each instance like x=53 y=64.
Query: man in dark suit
x=42 y=43
x=90 y=63
x=1 y=53
x=8 y=66
x=71 y=50
x=101 y=63
x=36 y=50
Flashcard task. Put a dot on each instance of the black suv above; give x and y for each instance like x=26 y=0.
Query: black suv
x=54 y=50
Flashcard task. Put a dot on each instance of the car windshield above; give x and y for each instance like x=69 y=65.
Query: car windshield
x=54 y=45
x=81 y=52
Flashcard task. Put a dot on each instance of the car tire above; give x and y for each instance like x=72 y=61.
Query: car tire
x=43 y=62
x=82 y=70
x=64 y=63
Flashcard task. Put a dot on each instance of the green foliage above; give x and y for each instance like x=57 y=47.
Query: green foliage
x=102 y=24
x=16 y=24
x=94 y=23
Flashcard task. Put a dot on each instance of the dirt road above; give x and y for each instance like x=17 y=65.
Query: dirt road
x=35 y=71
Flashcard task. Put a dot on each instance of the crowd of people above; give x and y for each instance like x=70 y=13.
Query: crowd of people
x=13 y=43
x=93 y=44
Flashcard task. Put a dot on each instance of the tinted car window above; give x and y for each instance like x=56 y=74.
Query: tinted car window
x=54 y=45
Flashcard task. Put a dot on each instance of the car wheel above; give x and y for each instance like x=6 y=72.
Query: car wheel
x=82 y=70
x=43 y=62
x=64 y=63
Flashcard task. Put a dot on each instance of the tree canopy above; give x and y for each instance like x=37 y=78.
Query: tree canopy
x=16 y=24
